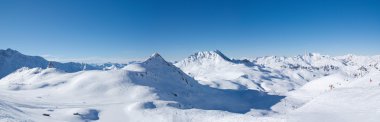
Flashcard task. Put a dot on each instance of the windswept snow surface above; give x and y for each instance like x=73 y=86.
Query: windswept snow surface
x=206 y=86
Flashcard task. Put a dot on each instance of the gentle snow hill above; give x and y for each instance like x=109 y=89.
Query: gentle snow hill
x=310 y=90
x=348 y=105
x=351 y=100
x=11 y=60
x=153 y=90
x=338 y=97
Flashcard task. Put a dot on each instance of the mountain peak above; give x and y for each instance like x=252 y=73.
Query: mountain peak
x=9 y=52
x=205 y=57
x=216 y=54
x=155 y=57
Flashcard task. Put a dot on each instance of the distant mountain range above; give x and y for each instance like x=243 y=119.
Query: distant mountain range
x=271 y=73
x=202 y=86
x=11 y=60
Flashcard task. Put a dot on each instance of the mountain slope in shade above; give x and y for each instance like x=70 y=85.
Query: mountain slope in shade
x=11 y=60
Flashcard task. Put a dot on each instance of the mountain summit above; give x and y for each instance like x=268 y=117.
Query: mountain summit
x=156 y=57
x=204 y=58
x=155 y=60
x=211 y=55
x=9 y=52
x=11 y=60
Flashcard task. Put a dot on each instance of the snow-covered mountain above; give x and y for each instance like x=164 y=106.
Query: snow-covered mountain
x=310 y=61
x=315 y=63
x=206 y=86
x=217 y=70
x=140 y=89
x=273 y=74
x=11 y=60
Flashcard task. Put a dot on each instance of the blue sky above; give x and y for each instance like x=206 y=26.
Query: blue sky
x=122 y=29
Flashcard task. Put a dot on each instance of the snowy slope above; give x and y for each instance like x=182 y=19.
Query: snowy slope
x=264 y=74
x=337 y=97
x=153 y=87
x=206 y=86
x=11 y=60
x=348 y=105
x=351 y=100
x=273 y=74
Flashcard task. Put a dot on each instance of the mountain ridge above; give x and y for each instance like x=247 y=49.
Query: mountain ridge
x=11 y=60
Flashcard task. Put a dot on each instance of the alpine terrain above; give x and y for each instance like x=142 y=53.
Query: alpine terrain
x=206 y=86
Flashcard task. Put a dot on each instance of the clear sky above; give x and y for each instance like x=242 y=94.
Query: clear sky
x=110 y=29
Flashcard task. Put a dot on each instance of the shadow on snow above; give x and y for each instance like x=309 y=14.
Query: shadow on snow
x=195 y=95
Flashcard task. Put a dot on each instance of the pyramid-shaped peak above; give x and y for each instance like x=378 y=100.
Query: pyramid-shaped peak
x=155 y=57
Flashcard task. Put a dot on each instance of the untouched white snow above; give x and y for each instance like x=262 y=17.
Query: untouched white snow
x=207 y=86
x=216 y=70
x=154 y=90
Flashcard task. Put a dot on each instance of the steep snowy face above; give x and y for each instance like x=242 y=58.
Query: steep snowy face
x=209 y=66
x=204 y=58
x=205 y=64
x=156 y=67
x=155 y=61
x=11 y=60
x=217 y=70
x=208 y=59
